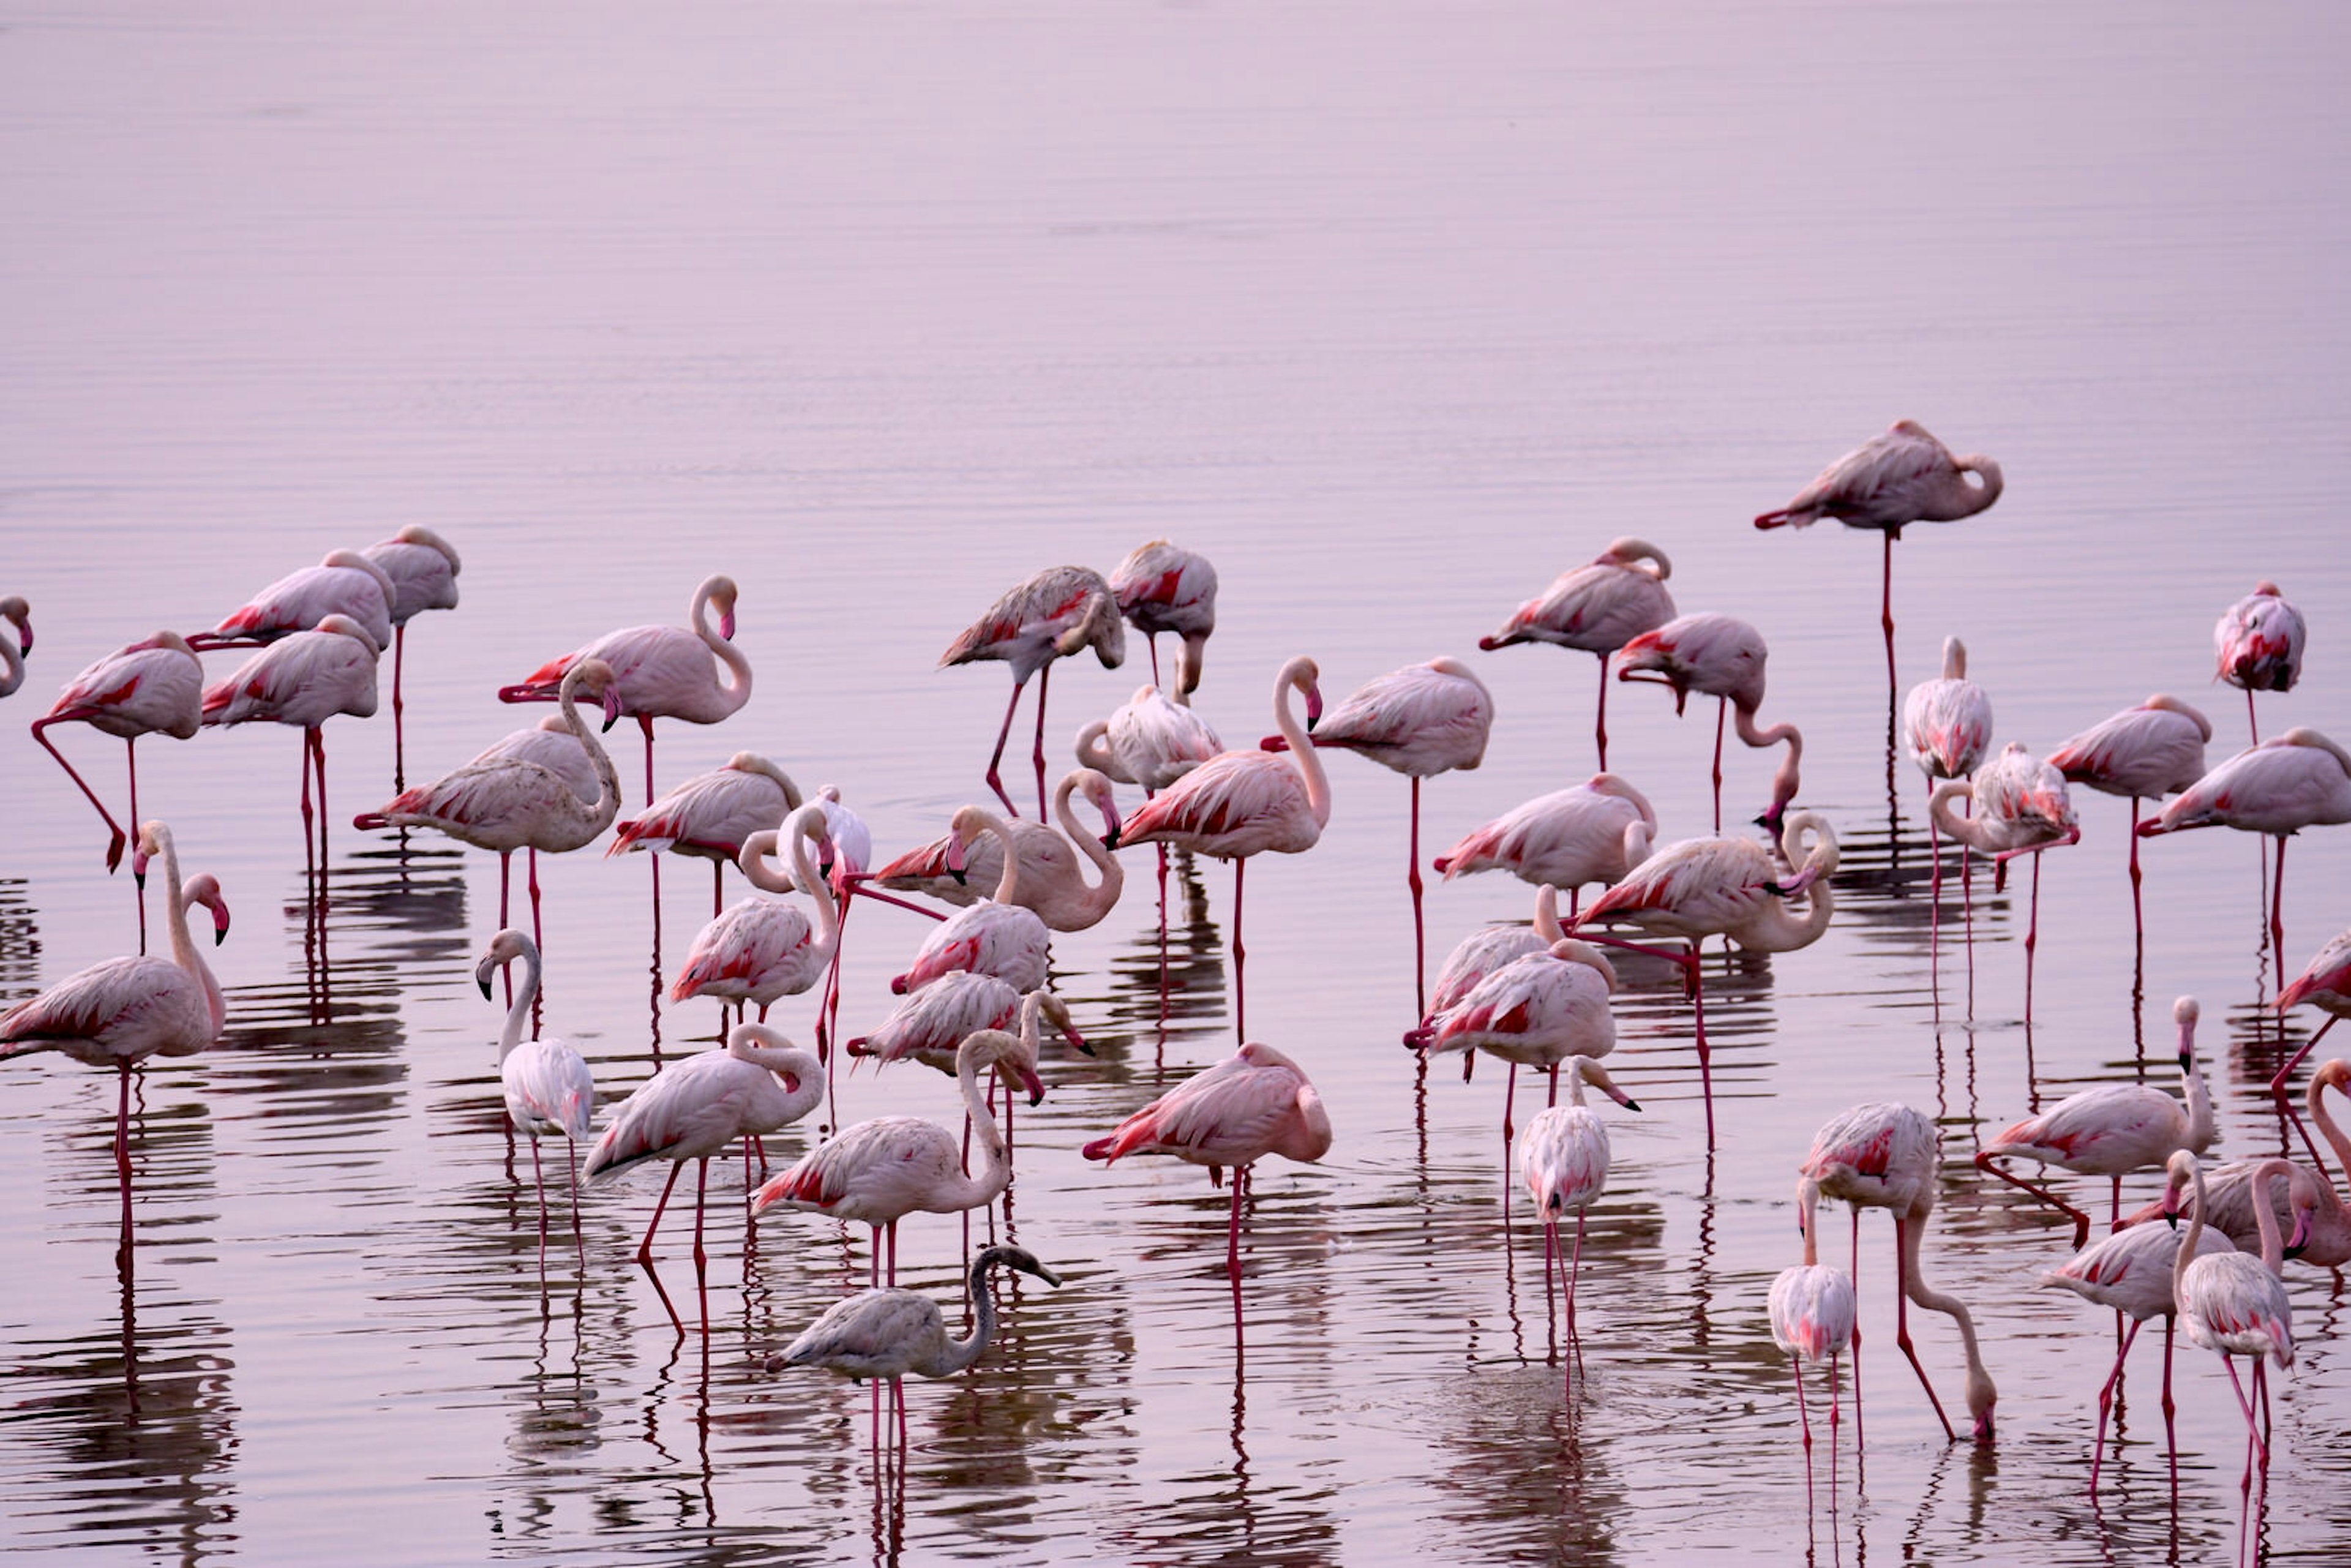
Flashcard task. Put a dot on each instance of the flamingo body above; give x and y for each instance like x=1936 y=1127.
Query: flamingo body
x=712 y=813
x=1161 y=587
x=153 y=686
x=1890 y=481
x=303 y=679
x=1811 y=1308
x=1597 y=608
x=2257 y=644
x=693 y=1108
x=889 y=1333
x=1151 y=741
x=1535 y=1012
x=2142 y=753
x=1947 y=722
x=1420 y=721
x=1255 y=1103
x=2298 y=780
x=346 y=583
x=1051 y=881
x=1242 y=803
x=1594 y=831
x=423 y=568
x=663 y=672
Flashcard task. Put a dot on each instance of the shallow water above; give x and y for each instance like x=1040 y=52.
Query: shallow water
x=1393 y=310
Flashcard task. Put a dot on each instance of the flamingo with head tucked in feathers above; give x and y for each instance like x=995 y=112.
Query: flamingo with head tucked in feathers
x=2142 y=753
x=1481 y=953
x=546 y=1082
x=1947 y=729
x=1719 y=656
x=1162 y=587
x=1537 y=1011
x=422 y=568
x=1152 y=742
x=998 y=935
x=1564 y=1164
x=711 y=814
x=2257 y=644
x=1059 y=611
x=2020 y=807
x=1598 y=608
x=762 y=949
x=304 y=680
x=1594 y=831
x=346 y=583
x=1812 y=1310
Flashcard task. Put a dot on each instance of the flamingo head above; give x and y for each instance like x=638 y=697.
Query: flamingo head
x=504 y=950
x=205 y=888
x=17 y=612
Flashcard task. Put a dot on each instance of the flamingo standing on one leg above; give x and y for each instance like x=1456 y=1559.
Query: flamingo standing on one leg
x=304 y=680
x=711 y=814
x=2111 y=1130
x=422 y=567
x=757 y=1083
x=1594 y=831
x=2142 y=753
x=1242 y=803
x=1419 y=721
x=1812 y=1306
x=1722 y=657
x=548 y=1086
x=2019 y=806
x=1161 y=587
x=1889 y=482
x=997 y=934
x=1150 y=741
x=14 y=611
x=345 y=583
x=761 y=949
x=2232 y=1304
x=1884 y=1155
x=1597 y=608
x=2257 y=644
x=1947 y=729
x=1054 y=614
x=1564 y=1163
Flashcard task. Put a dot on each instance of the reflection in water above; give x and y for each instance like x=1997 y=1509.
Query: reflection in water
x=20 y=941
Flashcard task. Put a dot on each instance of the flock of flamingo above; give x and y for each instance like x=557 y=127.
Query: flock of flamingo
x=974 y=998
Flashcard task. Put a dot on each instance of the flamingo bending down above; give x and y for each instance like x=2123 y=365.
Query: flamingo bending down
x=1151 y=741
x=1481 y=953
x=880 y=1171
x=1722 y=657
x=1539 y=1011
x=1812 y=1307
x=1565 y=1161
x=1255 y=1103
x=2111 y=1130
x=1597 y=608
x=711 y=814
x=548 y=1088
x=2257 y=644
x=150 y=687
x=304 y=680
x=1594 y=831
x=691 y=1110
x=1887 y=483
x=346 y=583
x=760 y=949
x=2230 y=1303
x=2019 y=806
x=507 y=799
x=2142 y=753
x=1161 y=587
x=1419 y=721
x=1946 y=728
x=14 y=611
x=1884 y=1155
x=1728 y=887
x=1054 y=614
x=423 y=568
x=118 y=1013
x=998 y=935
x=1051 y=883
x=1242 y=803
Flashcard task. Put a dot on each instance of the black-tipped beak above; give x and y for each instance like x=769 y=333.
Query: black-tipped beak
x=1632 y=1104
x=2171 y=1219
x=960 y=880
x=485 y=990
x=220 y=934
x=1111 y=842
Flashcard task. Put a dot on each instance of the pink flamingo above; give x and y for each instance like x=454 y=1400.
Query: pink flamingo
x=2258 y=645
x=507 y=799
x=548 y=1086
x=760 y=1081
x=880 y=1171
x=711 y=814
x=1597 y=608
x=1536 y=1011
x=1947 y=729
x=121 y=1012
x=1719 y=656
x=2111 y=1131
x=423 y=568
x=1481 y=953
x=2232 y=1304
x=931 y=1025
x=1812 y=1307
x=1255 y=1103
x=1565 y=1161
x=14 y=611
x=2311 y=1207
x=1889 y=482
x=1054 y=614
x=2019 y=806
x=2324 y=984
x=2301 y=780
x=1052 y=881
x=1725 y=887
x=1594 y=831
x=303 y=680
x=760 y=949
x=1152 y=742
x=2142 y=753
x=1884 y=1155
x=997 y=934
x=346 y=583
x=1419 y=721
x=1161 y=587
x=1242 y=803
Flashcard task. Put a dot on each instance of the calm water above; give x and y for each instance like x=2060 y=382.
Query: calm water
x=1394 y=311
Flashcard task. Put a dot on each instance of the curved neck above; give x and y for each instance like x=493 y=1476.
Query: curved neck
x=518 y=1015
x=2264 y=1213
x=765 y=1047
x=737 y=685
x=961 y=1352
x=184 y=951
x=2335 y=1136
x=1774 y=930
x=1007 y=881
x=1785 y=782
x=1546 y=926
x=1808 y=1203
x=1093 y=746
x=1301 y=744
x=12 y=666
x=2199 y=1098
x=606 y=803
x=1109 y=879
x=2195 y=1233
x=996 y=1174
x=1981 y=496
x=803 y=825
x=1938 y=807
x=1981 y=1393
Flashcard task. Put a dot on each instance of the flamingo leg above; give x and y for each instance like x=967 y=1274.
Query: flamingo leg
x=2031 y=936
x=1721 y=712
x=1984 y=1159
x=1901 y=1325
x=2285 y=1101
x=1419 y=935
x=2106 y=1402
x=1044 y=679
x=2139 y=922
x=398 y=744
x=122 y=1154
x=1574 y=1268
x=579 y=1238
x=1886 y=607
x=1600 y=725
x=1152 y=638
x=1934 y=888
x=701 y=1257
x=1233 y=1230
x=2252 y=1427
x=995 y=779
x=2277 y=911
x=532 y=864
x=1240 y=956
x=1705 y=1057
x=1853 y=1269
x=2171 y=1432
x=538 y=1180
x=645 y=1248
x=319 y=753
x=717 y=888
x=310 y=839
x=1796 y=1365
x=2253 y=720
x=115 y=845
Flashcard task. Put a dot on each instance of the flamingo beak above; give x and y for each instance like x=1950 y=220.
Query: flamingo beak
x=220 y=926
x=484 y=980
x=1313 y=706
x=1035 y=1084
x=726 y=624
x=612 y=707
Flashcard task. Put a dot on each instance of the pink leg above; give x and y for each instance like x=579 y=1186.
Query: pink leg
x=1705 y=1058
x=2031 y=936
x=1154 y=640
x=398 y=744
x=579 y=1238
x=1419 y=936
x=2081 y=1220
x=2252 y=1427
x=310 y=839
x=1796 y=1365
x=717 y=888
x=122 y=1154
x=115 y=845
x=1044 y=679
x=2138 y=921
x=1004 y=733
x=1853 y=1269
x=645 y=1248
x=2107 y=1401
x=1902 y=1327
x=1600 y=725
x=1233 y=1230
x=1934 y=889
x=1886 y=607
x=538 y=1180
x=1721 y=711
x=131 y=750
x=1240 y=956
x=532 y=864
x=2170 y=1431
x=1574 y=1268
x=2252 y=720
x=2277 y=913
x=701 y=1259
x=319 y=750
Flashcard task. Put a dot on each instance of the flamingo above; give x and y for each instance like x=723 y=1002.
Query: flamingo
x=1242 y=803
x=760 y=1081
x=850 y=843
x=880 y=1171
x=548 y=1086
x=2142 y=753
x=1812 y=1306
x=1255 y=1103
x=1564 y=1161
x=2111 y=1130
x=2315 y=1211
x=2131 y=1271
x=2230 y=1303
x=2325 y=984
x=1594 y=831
x=1161 y=587
x=507 y=799
x=1152 y=742
x=760 y=950
x=2301 y=780
x=1728 y=887
x=121 y=1012
x=1051 y=883
x=304 y=680
x=14 y=611
x=1481 y=953
x=711 y=814
x=1884 y=1155
x=931 y=1025
x=1419 y=721
x=346 y=583
x=2257 y=644
x=1597 y=608
x=2019 y=806
x=1947 y=729
x=423 y=568
x=1053 y=615
x=1889 y=482
x=1539 y=1011
x=1719 y=656
x=997 y=934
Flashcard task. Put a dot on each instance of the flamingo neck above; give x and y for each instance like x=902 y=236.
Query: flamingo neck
x=2187 y=1243
x=1301 y=744
x=184 y=951
x=599 y=811
x=1808 y=1203
x=1968 y=831
x=2199 y=1097
x=1093 y=747
x=1976 y=498
x=736 y=687
x=2265 y=1215
x=1982 y=1394
x=12 y=667
x=961 y=1352
x=1546 y=926
x=518 y=1015
x=979 y=1050
x=764 y=1048
x=803 y=825
x=1109 y=879
x=1785 y=781
x=1007 y=881
x=2335 y=1137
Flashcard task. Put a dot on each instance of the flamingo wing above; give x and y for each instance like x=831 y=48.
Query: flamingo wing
x=548 y=1089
